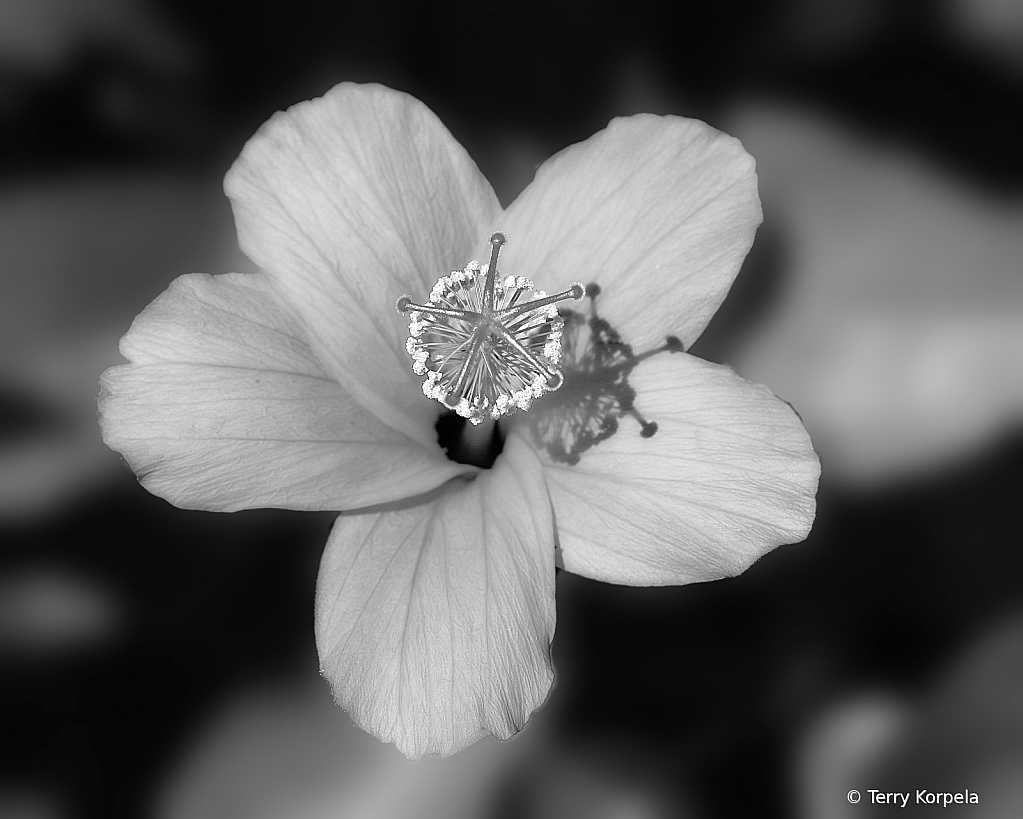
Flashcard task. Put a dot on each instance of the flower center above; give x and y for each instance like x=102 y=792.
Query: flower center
x=487 y=346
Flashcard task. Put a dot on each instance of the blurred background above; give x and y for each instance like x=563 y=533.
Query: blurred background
x=160 y=663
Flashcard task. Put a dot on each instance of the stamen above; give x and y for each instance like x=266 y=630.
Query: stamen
x=404 y=305
x=576 y=291
x=487 y=345
x=496 y=243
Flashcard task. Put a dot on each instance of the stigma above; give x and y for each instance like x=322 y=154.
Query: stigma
x=487 y=345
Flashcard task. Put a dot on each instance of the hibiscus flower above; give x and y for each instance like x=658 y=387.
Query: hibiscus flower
x=293 y=388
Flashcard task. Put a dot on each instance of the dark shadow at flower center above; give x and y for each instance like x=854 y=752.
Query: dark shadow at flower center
x=450 y=435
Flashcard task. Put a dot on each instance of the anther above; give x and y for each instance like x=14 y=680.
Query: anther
x=403 y=305
x=593 y=290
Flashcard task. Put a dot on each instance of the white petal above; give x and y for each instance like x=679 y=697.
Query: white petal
x=434 y=621
x=348 y=202
x=729 y=475
x=225 y=407
x=659 y=211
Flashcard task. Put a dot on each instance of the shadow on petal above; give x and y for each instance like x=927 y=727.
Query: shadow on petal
x=596 y=394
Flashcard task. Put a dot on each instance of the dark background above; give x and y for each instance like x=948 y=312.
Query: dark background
x=129 y=628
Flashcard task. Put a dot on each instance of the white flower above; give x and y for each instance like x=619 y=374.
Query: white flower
x=293 y=388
